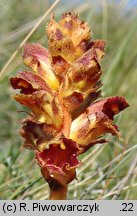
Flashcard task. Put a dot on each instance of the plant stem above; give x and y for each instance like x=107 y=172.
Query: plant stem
x=60 y=194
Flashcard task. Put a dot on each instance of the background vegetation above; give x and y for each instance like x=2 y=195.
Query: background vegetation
x=108 y=171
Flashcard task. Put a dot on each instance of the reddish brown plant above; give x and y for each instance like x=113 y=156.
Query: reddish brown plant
x=60 y=90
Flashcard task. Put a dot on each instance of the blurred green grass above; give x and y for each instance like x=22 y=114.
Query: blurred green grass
x=104 y=166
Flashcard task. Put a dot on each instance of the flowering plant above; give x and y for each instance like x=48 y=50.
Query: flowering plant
x=61 y=90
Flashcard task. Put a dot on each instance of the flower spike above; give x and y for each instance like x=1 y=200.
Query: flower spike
x=61 y=90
